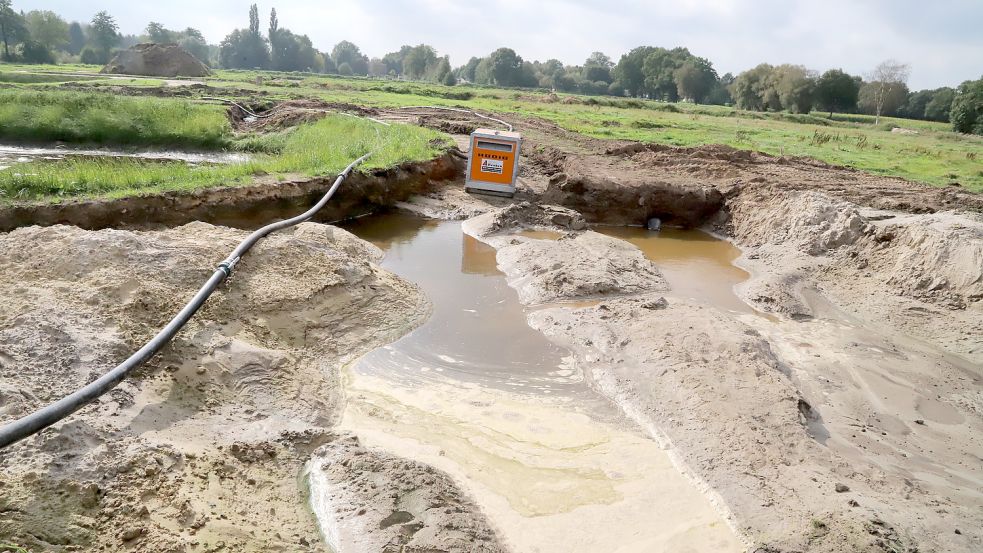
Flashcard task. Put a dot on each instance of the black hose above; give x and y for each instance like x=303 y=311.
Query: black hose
x=46 y=416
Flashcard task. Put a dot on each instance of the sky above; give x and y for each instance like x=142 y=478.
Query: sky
x=941 y=39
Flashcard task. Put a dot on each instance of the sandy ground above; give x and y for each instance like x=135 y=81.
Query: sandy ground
x=844 y=415
x=849 y=419
x=204 y=449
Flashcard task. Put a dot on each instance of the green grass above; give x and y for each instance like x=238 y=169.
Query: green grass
x=27 y=78
x=935 y=155
x=77 y=117
x=321 y=148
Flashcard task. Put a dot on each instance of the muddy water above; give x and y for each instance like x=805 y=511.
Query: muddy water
x=12 y=155
x=696 y=265
x=479 y=394
x=477 y=332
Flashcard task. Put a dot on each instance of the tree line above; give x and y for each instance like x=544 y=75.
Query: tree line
x=42 y=36
x=670 y=75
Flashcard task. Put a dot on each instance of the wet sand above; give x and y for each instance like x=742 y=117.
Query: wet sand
x=479 y=394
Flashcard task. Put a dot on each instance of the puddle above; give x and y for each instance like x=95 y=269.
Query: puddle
x=696 y=264
x=479 y=394
x=12 y=155
x=477 y=326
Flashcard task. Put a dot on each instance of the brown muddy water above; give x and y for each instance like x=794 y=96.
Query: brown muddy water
x=478 y=393
x=697 y=265
x=11 y=155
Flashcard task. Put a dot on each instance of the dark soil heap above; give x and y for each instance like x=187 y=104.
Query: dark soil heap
x=158 y=60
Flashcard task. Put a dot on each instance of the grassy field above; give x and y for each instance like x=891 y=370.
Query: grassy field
x=321 y=148
x=45 y=116
x=934 y=155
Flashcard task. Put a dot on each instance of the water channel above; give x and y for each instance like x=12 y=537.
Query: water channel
x=479 y=394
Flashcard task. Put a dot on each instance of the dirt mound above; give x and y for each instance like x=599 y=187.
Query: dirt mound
x=812 y=222
x=717 y=152
x=516 y=217
x=449 y=126
x=158 y=60
x=278 y=116
x=937 y=258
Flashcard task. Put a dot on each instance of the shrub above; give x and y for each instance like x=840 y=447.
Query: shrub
x=967 y=108
x=91 y=56
x=35 y=52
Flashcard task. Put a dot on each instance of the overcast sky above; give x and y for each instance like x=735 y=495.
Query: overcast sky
x=941 y=39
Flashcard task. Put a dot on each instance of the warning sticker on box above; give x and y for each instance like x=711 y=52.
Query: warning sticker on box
x=492 y=166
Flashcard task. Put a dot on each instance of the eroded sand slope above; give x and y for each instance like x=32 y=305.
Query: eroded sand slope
x=204 y=449
x=845 y=421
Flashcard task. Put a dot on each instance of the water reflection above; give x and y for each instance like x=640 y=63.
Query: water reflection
x=477 y=331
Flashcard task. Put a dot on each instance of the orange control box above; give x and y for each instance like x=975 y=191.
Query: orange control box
x=493 y=161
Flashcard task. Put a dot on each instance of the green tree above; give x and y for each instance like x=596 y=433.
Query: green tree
x=254 y=19
x=290 y=52
x=194 y=42
x=967 y=108
x=418 y=61
x=836 y=91
x=695 y=79
x=795 y=86
x=242 y=49
x=47 y=28
x=245 y=48
x=914 y=106
x=441 y=69
x=328 y=65
x=551 y=72
x=35 y=52
x=504 y=67
x=529 y=78
x=274 y=24
x=12 y=27
x=449 y=79
x=886 y=80
x=394 y=60
x=90 y=56
x=939 y=107
x=720 y=93
x=597 y=67
x=599 y=59
x=468 y=70
x=750 y=88
x=880 y=98
x=377 y=68
x=278 y=48
x=76 y=38
x=345 y=69
x=629 y=70
x=347 y=53
x=158 y=34
x=659 y=69
x=104 y=33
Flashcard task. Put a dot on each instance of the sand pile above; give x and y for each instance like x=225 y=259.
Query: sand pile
x=203 y=449
x=157 y=60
